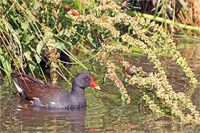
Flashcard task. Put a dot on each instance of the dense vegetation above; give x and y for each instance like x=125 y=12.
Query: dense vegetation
x=103 y=32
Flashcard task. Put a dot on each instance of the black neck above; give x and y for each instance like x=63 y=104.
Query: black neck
x=78 y=91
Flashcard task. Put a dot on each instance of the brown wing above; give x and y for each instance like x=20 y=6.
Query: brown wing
x=37 y=90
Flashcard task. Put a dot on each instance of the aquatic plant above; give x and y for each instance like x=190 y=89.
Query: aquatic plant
x=152 y=40
x=103 y=32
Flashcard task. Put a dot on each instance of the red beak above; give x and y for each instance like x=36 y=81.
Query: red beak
x=93 y=84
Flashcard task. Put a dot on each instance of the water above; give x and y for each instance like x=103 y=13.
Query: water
x=104 y=112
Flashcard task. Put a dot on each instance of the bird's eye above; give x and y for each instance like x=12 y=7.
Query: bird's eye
x=85 y=78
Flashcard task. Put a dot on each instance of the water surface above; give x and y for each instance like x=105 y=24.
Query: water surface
x=105 y=111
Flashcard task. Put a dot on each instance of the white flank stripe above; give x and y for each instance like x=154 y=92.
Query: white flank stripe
x=52 y=103
x=18 y=88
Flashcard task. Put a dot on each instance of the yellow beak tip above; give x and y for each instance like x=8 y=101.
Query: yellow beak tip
x=97 y=87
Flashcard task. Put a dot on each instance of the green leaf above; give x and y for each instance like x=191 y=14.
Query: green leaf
x=5 y=62
x=29 y=38
x=40 y=45
x=61 y=46
x=25 y=25
x=27 y=55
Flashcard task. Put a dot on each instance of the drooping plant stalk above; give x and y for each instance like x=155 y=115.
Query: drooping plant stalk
x=160 y=19
x=152 y=40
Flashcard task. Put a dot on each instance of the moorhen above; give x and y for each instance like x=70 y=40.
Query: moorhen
x=44 y=94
